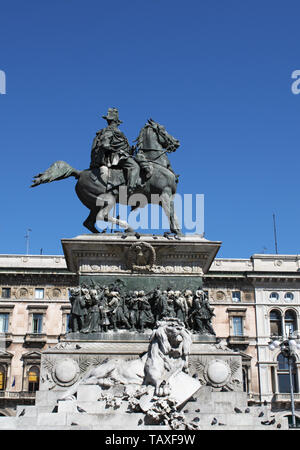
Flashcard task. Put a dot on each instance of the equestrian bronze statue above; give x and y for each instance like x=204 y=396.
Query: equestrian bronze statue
x=118 y=170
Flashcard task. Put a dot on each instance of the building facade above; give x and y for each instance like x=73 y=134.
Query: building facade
x=255 y=300
x=34 y=308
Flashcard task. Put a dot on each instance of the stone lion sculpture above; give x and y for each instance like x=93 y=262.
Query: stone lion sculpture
x=167 y=356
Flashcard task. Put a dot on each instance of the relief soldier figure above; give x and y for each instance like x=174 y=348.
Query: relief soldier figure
x=202 y=313
x=145 y=314
x=92 y=324
x=181 y=306
x=118 y=310
x=78 y=310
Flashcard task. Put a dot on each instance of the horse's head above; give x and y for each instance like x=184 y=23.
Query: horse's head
x=166 y=140
x=154 y=136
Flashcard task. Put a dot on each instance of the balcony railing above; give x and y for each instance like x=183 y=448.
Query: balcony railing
x=36 y=338
x=280 y=397
x=17 y=395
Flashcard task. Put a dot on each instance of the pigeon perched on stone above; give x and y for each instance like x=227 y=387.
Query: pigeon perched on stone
x=268 y=422
x=80 y=410
x=247 y=410
x=260 y=414
x=197 y=410
x=140 y=421
x=196 y=419
x=22 y=413
x=221 y=424
x=186 y=411
x=214 y=421
x=279 y=425
x=73 y=423
x=237 y=410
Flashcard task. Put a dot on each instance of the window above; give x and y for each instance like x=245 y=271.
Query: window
x=274 y=296
x=275 y=323
x=289 y=296
x=4 y=320
x=39 y=293
x=33 y=379
x=5 y=292
x=284 y=377
x=237 y=325
x=236 y=296
x=37 y=323
x=290 y=322
x=2 y=378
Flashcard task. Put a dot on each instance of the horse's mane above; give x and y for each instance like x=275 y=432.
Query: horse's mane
x=139 y=140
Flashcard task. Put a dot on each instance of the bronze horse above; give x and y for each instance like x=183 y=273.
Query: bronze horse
x=100 y=189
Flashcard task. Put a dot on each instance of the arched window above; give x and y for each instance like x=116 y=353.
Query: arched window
x=2 y=378
x=274 y=296
x=33 y=379
x=275 y=323
x=283 y=375
x=290 y=322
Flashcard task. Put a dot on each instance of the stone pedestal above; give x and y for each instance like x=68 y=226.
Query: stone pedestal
x=142 y=262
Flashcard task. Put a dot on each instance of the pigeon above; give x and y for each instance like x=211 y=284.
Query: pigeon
x=197 y=410
x=124 y=236
x=55 y=409
x=186 y=411
x=279 y=425
x=265 y=402
x=220 y=423
x=237 y=410
x=247 y=410
x=22 y=413
x=264 y=422
x=140 y=422
x=73 y=423
x=137 y=235
x=260 y=414
x=196 y=419
x=268 y=422
x=77 y=346
x=80 y=410
x=214 y=421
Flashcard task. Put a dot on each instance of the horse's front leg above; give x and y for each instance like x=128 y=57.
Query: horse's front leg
x=167 y=204
x=90 y=221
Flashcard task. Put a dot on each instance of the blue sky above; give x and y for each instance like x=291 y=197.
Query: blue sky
x=216 y=73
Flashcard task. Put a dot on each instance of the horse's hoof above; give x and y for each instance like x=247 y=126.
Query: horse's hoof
x=129 y=230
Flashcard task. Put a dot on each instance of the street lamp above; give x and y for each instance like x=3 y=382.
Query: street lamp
x=288 y=349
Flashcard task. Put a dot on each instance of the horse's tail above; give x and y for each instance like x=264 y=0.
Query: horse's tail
x=58 y=171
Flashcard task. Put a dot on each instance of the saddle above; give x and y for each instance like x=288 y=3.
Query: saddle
x=115 y=178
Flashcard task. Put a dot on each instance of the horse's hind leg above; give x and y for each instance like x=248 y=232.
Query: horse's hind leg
x=103 y=214
x=90 y=221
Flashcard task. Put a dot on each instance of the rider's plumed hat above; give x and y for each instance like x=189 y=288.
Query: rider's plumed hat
x=112 y=114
